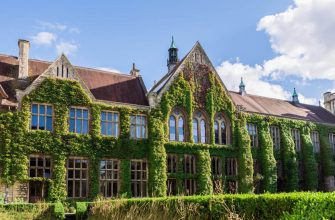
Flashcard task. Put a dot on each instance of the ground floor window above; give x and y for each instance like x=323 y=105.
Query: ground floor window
x=190 y=186
x=231 y=167
x=109 y=177
x=171 y=187
x=139 y=178
x=39 y=166
x=77 y=177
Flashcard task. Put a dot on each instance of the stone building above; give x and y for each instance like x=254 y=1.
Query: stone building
x=75 y=132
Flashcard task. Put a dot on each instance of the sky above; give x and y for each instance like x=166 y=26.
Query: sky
x=274 y=45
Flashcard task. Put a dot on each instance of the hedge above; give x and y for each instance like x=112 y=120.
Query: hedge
x=306 y=205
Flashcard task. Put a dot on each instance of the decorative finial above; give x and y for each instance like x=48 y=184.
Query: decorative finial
x=295 y=98
x=242 y=87
x=172 y=43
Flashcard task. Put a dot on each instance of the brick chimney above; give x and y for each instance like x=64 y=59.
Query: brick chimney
x=24 y=46
x=135 y=72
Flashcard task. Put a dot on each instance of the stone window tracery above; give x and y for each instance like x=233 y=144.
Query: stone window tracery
x=176 y=126
x=199 y=127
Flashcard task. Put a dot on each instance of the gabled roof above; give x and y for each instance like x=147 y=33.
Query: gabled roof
x=282 y=108
x=164 y=83
x=104 y=85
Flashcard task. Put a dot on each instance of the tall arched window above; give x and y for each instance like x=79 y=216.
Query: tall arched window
x=221 y=130
x=176 y=126
x=199 y=127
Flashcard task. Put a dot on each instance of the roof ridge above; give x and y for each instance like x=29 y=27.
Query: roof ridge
x=104 y=71
x=277 y=99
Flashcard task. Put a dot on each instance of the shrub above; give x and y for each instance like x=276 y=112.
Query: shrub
x=59 y=211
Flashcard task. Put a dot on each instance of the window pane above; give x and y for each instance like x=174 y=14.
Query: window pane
x=42 y=123
x=203 y=131
x=85 y=127
x=78 y=126
x=49 y=123
x=85 y=115
x=34 y=120
x=172 y=128
x=216 y=131
x=79 y=113
x=34 y=108
x=195 y=130
x=72 y=125
x=72 y=112
x=109 y=116
x=49 y=110
x=42 y=109
x=103 y=116
x=181 y=129
x=223 y=133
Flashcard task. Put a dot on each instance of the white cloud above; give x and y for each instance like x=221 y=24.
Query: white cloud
x=74 y=30
x=303 y=39
x=67 y=48
x=52 y=26
x=44 y=38
x=107 y=69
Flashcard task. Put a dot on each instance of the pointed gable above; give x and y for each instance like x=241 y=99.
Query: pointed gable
x=194 y=66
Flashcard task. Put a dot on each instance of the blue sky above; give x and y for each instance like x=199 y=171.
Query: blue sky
x=113 y=34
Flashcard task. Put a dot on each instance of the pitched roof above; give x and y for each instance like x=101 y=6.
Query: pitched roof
x=104 y=85
x=282 y=108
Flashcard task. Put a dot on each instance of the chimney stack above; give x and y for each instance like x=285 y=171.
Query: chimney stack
x=24 y=46
x=135 y=72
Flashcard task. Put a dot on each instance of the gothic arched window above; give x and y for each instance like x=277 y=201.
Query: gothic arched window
x=199 y=128
x=221 y=130
x=176 y=126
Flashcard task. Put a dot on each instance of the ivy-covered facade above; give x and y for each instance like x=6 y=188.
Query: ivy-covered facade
x=76 y=133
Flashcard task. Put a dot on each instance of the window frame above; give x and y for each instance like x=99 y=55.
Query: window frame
x=74 y=179
x=82 y=119
x=177 y=116
x=275 y=135
x=315 y=141
x=141 y=180
x=254 y=143
x=45 y=116
x=145 y=127
x=296 y=136
x=110 y=180
x=231 y=166
x=191 y=159
x=193 y=186
x=171 y=166
x=111 y=122
x=199 y=118
x=331 y=137
x=37 y=167
x=220 y=118
x=218 y=168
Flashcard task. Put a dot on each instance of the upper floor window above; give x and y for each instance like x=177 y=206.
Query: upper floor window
x=79 y=120
x=275 y=135
x=252 y=130
x=41 y=117
x=39 y=166
x=109 y=123
x=138 y=126
x=296 y=139
x=332 y=141
x=199 y=127
x=220 y=129
x=176 y=126
x=315 y=141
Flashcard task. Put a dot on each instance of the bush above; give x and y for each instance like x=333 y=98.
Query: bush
x=26 y=211
x=59 y=211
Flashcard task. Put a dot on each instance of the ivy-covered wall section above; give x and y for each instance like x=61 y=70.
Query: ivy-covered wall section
x=195 y=88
